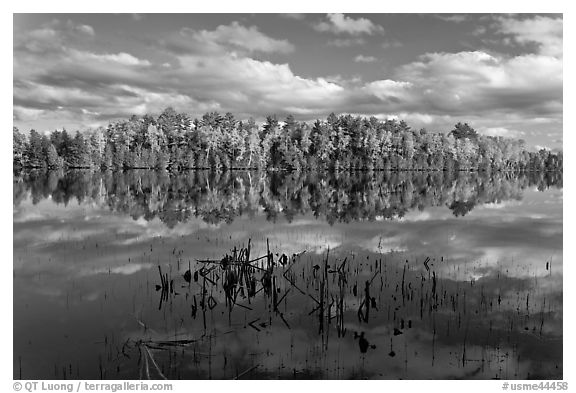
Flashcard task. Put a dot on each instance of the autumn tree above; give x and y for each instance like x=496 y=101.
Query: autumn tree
x=18 y=147
x=464 y=131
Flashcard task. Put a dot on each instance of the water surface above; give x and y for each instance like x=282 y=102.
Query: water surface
x=464 y=275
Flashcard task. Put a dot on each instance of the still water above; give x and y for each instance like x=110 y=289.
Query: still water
x=364 y=275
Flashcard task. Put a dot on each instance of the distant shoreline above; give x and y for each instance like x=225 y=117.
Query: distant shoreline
x=284 y=170
x=174 y=141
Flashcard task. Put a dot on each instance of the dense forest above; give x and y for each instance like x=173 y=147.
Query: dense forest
x=220 y=196
x=175 y=142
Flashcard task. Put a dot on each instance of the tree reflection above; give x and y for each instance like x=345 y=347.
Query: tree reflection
x=461 y=208
x=221 y=196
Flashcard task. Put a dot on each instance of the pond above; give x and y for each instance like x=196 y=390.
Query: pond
x=253 y=275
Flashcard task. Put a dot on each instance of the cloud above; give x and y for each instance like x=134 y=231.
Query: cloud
x=119 y=58
x=72 y=84
x=437 y=85
x=293 y=16
x=545 y=32
x=74 y=28
x=118 y=85
x=52 y=36
x=455 y=18
x=501 y=131
x=346 y=82
x=85 y=29
x=27 y=114
x=395 y=93
x=451 y=83
x=341 y=24
x=541 y=147
x=346 y=42
x=391 y=44
x=226 y=38
x=365 y=59
x=264 y=84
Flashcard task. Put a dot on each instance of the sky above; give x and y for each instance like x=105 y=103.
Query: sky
x=501 y=73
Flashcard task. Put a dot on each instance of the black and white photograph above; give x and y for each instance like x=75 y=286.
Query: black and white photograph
x=289 y=196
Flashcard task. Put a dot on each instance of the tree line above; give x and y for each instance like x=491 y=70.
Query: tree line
x=175 y=141
x=220 y=196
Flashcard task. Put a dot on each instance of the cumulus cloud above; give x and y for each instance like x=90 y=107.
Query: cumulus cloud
x=85 y=29
x=263 y=83
x=455 y=18
x=479 y=81
x=58 y=77
x=545 y=32
x=541 y=147
x=346 y=42
x=365 y=59
x=226 y=38
x=26 y=114
x=121 y=84
x=120 y=58
x=501 y=131
x=341 y=24
x=52 y=36
x=384 y=89
x=295 y=16
x=392 y=44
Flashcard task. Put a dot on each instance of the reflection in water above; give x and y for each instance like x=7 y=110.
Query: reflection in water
x=220 y=197
x=242 y=275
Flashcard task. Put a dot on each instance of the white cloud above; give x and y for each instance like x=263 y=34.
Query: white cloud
x=27 y=114
x=90 y=113
x=75 y=28
x=501 y=131
x=544 y=31
x=455 y=18
x=143 y=101
x=266 y=84
x=52 y=36
x=233 y=36
x=541 y=147
x=86 y=29
x=293 y=16
x=438 y=84
x=120 y=58
x=346 y=42
x=365 y=59
x=56 y=97
x=215 y=70
x=479 y=81
x=391 y=44
x=384 y=89
x=341 y=24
